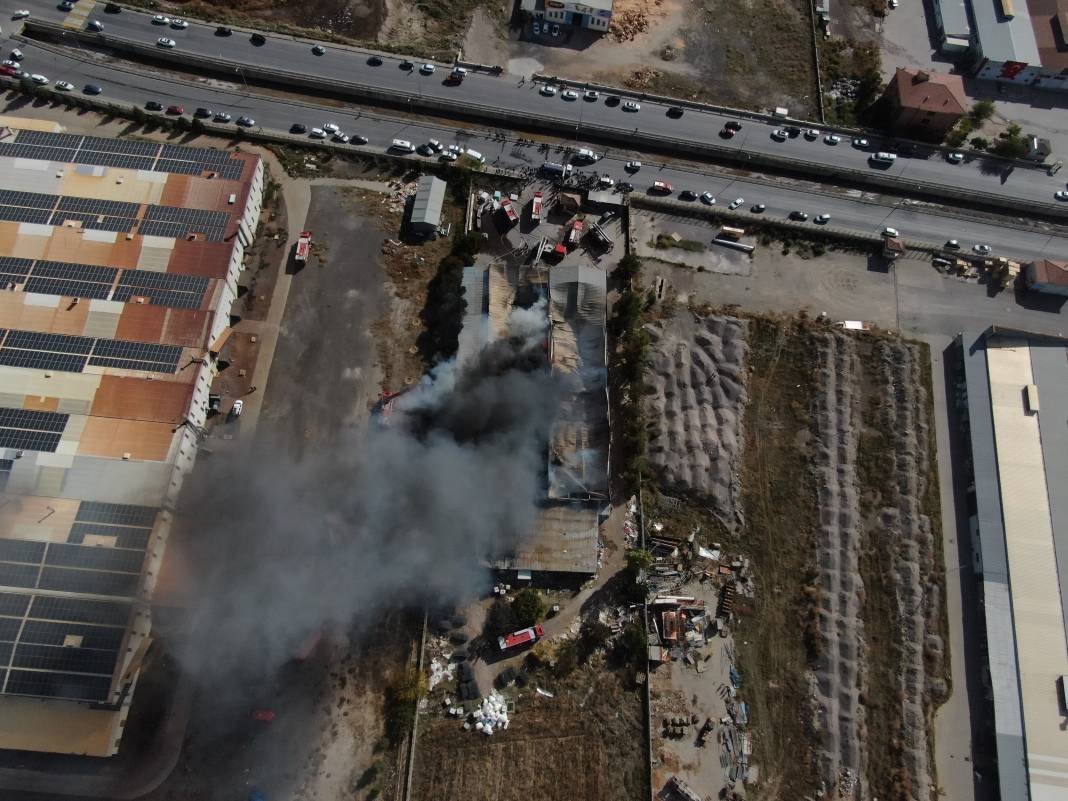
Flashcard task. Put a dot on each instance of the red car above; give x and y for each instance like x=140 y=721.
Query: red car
x=662 y=188
x=266 y=715
x=178 y=110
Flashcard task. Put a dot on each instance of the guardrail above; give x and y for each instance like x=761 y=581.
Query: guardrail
x=547 y=122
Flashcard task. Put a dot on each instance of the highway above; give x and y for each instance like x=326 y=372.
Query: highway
x=508 y=92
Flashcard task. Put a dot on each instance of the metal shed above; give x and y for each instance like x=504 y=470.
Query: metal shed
x=426 y=209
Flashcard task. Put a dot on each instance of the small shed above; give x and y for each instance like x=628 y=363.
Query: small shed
x=1047 y=277
x=426 y=208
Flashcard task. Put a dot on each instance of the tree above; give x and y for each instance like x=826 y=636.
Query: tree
x=980 y=143
x=402 y=696
x=629 y=268
x=593 y=635
x=638 y=560
x=1011 y=143
x=982 y=111
x=529 y=607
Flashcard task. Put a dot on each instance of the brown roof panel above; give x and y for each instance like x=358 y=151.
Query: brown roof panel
x=141 y=322
x=188 y=328
x=207 y=259
x=141 y=399
x=113 y=437
x=927 y=90
x=1054 y=273
x=1050 y=36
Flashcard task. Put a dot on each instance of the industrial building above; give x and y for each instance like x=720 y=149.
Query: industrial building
x=427 y=205
x=595 y=15
x=119 y=261
x=1017 y=402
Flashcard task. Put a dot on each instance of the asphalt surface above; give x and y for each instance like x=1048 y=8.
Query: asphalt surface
x=507 y=92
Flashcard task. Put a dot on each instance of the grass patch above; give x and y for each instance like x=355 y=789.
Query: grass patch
x=665 y=242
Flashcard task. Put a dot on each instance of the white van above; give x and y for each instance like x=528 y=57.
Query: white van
x=585 y=154
x=402 y=145
x=474 y=154
x=886 y=158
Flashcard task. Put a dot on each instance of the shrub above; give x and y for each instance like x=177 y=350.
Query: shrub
x=529 y=607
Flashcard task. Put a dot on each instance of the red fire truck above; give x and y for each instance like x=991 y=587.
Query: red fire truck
x=303 y=246
x=521 y=637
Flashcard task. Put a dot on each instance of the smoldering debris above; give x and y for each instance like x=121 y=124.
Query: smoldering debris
x=383 y=517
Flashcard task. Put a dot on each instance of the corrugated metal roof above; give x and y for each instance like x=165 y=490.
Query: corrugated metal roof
x=1002 y=39
x=564 y=539
x=429 y=199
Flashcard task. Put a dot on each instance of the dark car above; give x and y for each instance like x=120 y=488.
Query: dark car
x=687 y=194
x=356 y=139
x=298 y=128
x=203 y=113
x=727 y=133
x=112 y=8
x=92 y=89
x=799 y=216
x=258 y=39
x=95 y=25
x=154 y=105
x=625 y=186
x=675 y=112
x=733 y=125
x=222 y=30
x=176 y=110
x=318 y=50
x=221 y=116
x=66 y=5
x=374 y=61
x=407 y=65
x=792 y=131
x=246 y=122
x=611 y=100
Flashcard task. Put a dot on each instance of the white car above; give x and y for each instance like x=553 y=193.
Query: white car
x=982 y=250
x=64 y=86
x=736 y=203
x=448 y=155
x=892 y=3
x=237 y=408
x=427 y=69
x=832 y=139
x=630 y=105
x=606 y=182
x=343 y=138
x=22 y=13
x=163 y=41
x=891 y=232
x=811 y=134
x=39 y=79
x=860 y=143
x=823 y=219
x=331 y=127
x=317 y=133
x=708 y=199
x=779 y=135
x=160 y=19
x=179 y=23
x=1061 y=195
x=11 y=63
x=632 y=166
x=954 y=157
x=436 y=146
x=569 y=94
x=547 y=90
x=590 y=95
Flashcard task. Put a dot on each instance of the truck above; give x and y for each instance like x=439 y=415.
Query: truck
x=509 y=211
x=553 y=168
x=521 y=637
x=303 y=246
x=578 y=228
x=535 y=209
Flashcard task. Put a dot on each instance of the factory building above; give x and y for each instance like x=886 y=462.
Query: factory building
x=119 y=262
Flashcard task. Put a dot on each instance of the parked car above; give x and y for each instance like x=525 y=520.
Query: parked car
x=569 y=94
x=175 y=110
x=708 y=199
x=179 y=24
x=92 y=89
x=163 y=41
x=356 y=139
x=606 y=182
x=625 y=186
x=630 y=105
x=758 y=208
x=556 y=30
x=246 y=122
x=112 y=8
x=95 y=25
x=341 y=138
x=39 y=79
x=536 y=27
x=891 y=232
x=733 y=125
x=798 y=216
x=66 y=5
x=823 y=219
x=258 y=39
x=63 y=86
x=954 y=157
x=374 y=61
x=590 y=95
x=1061 y=195
x=318 y=50
x=547 y=90
x=982 y=250
x=779 y=135
x=675 y=112
x=203 y=113
x=736 y=203
x=406 y=65
x=22 y=13
x=687 y=194
x=426 y=69
x=860 y=143
x=298 y=128
x=832 y=139
x=153 y=105
x=952 y=244
x=632 y=166
x=222 y=116
x=661 y=188
x=811 y=134
x=331 y=127
x=161 y=19
x=222 y=30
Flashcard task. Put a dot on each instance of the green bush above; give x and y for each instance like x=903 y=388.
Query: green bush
x=529 y=607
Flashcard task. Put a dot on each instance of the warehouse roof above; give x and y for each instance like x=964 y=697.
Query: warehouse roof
x=429 y=199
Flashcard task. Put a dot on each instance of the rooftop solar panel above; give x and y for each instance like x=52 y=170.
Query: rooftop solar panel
x=48 y=139
x=180 y=167
x=157 y=297
x=29 y=440
x=13 y=266
x=18 y=575
x=119 y=514
x=13 y=603
x=75 y=272
x=118 y=160
x=94 y=558
x=71 y=289
x=127 y=146
x=142 y=351
x=90 y=582
x=21 y=215
x=43 y=632
x=89 y=205
x=27 y=551
x=33 y=420
x=72 y=660
x=77 y=610
x=36 y=360
x=58 y=685
x=53 y=154
x=30 y=200
x=59 y=343
x=9 y=630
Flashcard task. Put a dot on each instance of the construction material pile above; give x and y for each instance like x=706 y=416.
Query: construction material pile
x=491 y=715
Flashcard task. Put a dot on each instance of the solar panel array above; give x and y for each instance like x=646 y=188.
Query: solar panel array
x=163 y=289
x=70 y=354
x=123 y=153
x=31 y=430
x=59 y=646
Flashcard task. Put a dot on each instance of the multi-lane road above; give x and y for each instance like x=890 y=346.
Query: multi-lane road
x=510 y=93
x=849 y=210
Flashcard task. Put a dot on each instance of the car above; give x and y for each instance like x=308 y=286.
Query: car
x=661 y=188
x=457 y=149
x=298 y=128
x=536 y=28
x=331 y=127
x=625 y=186
x=779 y=135
x=547 y=90
x=11 y=63
x=982 y=250
x=736 y=203
x=425 y=150
x=823 y=219
x=606 y=182
x=95 y=25
x=733 y=125
x=811 y=134
x=727 y=133
x=426 y=69
x=632 y=166
x=406 y=65
x=449 y=156
x=758 y=208
x=112 y=8
x=179 y=24
x=161 y=19
x=39 y=79
x=611 y=101
x=222 y=116
x=435 y=145
x=1061 y=195
x=890 y=232
x=222 y=30
x=792 y=131
x=342 y=138
x=591 y=95
x=687 y=194
x=66 y=5
x=892 y=3
x=356 y=139
x=952 y=244
x=832 y=139
x=16 y=55
x=175 y=110
x=675 y=112
x=374 y=61
x=259 y=714
x=92 y=89
x=630 y=105
x=708 y=199
x=246 y=122
x=22 y=13
x=860 y=143
x=556 y=30
x=203 y=113
x=955 y=157
x=318 y=50
x=153 y=105
x=63 y=86
x=163 y=41
x=799 y=216
x=258 y=39
x=569 y=94
x=14 y=72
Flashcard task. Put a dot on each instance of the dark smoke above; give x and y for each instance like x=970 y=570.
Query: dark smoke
x=386 y=516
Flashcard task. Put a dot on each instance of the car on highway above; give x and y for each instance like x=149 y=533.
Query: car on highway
x=811 y=134
x=246 y=122
x=22 y=13
x=403 y=145
x=727 y=133
x=222 y=116
x=161 y=19
x=203 y=113
x=954 y=157
x=341 y=138
x=779 y=135
x=823 y=219
x=66 y=5
x=374 y=61
x=860 y=143
x=435 y=145
x=63 y=86
x=661 y=188
x=163 y=41
x=298 y=128
x=16 y=55
x=675 y=112
x=92 y=89
x=569 y=94
x=832 y=139
x=632 y=166
x=153 y=105
x=625 y=186
x=331 y=127
x=96 y=26
x=798 y=216
x=222 y=30
x=952 y=244
x=736 y=203
x=606 y=181
x=39 y=79
x=590 y=95
x=687 y=194
x=890 y=232
x=630 y=105
x=708 y=198
x=318 y=50
x=406 y=65
x=426 y=69
x=733 y=125
x=982 y=250
x=179 y=24
x=548 y=91
x=1061 y=195
x=259 y=714
x=258 y=39
x=175 y=110
x=758 y=208
x=356 y=139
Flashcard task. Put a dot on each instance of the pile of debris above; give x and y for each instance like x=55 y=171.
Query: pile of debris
x=490 y=716
x=399 y=193
x=641 y=78
x=626 y=25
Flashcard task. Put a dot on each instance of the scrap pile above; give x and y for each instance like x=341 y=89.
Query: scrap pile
x=736 y=744
x=489 y=716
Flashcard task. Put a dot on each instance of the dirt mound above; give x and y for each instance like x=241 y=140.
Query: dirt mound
x=697 y=396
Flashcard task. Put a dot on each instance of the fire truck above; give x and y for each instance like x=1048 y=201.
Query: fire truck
x=509 y=212
x=303 y=246
x=535 y=209
x=521 y=637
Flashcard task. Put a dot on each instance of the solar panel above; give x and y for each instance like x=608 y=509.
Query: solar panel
x=94 y=558
x=29 y=440
x=91 y=582
x=125 y=536
x=127 y=146
x=180 y=167
x=54 y=154
x=14 y=575
x=73 y=660
x=42 y=632
x=33 y=420
x=21 y=215
x=13 y=603
x=9 y=630
x=202 y=154
x=60 y=343
x=48 y=139
x=108 y=613
x=137 y=351
x=111 y=160
x=36 y=360
x=120 y=514
x=89 y=205
x=27 y=551
x=71 y=289
x=158 y=297
x=30 y=200
x=58 y=685
x=13 y=266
